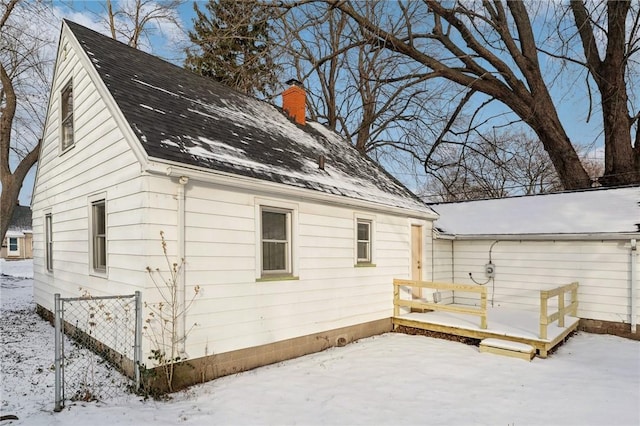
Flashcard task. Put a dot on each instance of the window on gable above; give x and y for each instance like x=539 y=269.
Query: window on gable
x=99 y=236
x=363 y=242
x=276 y=241
x=48 y=244
x=67 y=116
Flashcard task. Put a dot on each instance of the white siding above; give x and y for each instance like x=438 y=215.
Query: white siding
x=443 y=266
x=235 y=310
x=442 y=260
x=99 y=162
x=523 y=268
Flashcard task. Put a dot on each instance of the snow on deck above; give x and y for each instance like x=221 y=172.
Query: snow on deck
x=508 y=322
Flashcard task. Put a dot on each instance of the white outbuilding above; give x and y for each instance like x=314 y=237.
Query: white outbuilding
x=518 y=246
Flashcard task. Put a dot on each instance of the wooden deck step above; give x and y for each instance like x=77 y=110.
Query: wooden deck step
x=508 y=348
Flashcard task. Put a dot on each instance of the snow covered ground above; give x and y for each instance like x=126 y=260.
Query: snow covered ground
x=388 y=379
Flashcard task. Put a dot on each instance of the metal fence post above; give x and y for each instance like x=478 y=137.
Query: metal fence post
x=58 y=352
x=137 y=352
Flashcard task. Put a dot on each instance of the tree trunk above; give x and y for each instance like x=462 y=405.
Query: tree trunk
x=8 y=202
x=622 y=164
x=546 y=123
x=11 y=182
x=11 y=185
x=537 y=109
x=562 y=154
x=622 y=160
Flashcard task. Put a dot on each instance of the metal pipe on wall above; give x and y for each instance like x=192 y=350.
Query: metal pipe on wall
x=634 y=284
x=182 y=331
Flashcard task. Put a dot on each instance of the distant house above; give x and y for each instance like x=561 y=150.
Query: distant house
x=541 y=241
x=18 y=242
x=293 y=236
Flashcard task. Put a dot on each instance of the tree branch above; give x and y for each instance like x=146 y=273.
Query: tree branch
x=449 y=124
x=586 y=35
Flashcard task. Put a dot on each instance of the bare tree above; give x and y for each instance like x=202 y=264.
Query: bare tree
x=27 y=50
x=490 y=49
x=138 y=20
x=365 y=93
x=504 y=165
x=24 y=66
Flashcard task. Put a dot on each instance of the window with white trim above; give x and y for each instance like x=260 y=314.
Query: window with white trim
x=99 y=236
x=363 y=243
x=66 y=117
x=276 y=241
x=13 y=245
x=48 y=243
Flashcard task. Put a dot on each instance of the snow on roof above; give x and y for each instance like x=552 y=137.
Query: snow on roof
x=602 y=210
x=20 y=221
x=179 y=116
x=14 y=234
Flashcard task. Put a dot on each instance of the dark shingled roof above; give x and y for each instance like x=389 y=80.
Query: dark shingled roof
x=182 y=117
x=20 y=219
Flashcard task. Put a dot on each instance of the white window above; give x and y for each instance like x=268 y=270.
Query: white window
x=13 y=245
x=276 y=241
x=99 y=236
x=363 y=243
x=48 y=244
x=66 y=117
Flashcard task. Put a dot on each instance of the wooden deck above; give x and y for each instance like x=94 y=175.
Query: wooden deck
x=541 y=330
x=503 y=323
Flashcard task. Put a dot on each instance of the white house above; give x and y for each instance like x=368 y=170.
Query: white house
x=292 y=235
x=538 y=242
x=17 y=243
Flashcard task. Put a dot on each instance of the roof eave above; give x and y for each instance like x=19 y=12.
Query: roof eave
x=594 y=236
x=175 y=169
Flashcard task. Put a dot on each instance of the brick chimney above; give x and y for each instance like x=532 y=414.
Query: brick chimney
x=294 y=101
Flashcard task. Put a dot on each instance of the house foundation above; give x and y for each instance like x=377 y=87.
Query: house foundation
x=211 y=367
x=608 y=327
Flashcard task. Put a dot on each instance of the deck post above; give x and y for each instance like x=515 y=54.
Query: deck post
x=561 y=309
x=396 y=297
x=574 y=300
x=544 y=296
x=483 y=306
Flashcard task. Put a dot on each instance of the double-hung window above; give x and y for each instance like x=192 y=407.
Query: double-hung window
x=276 y=241
x=99 y=236
x=66 y=109
x=363 y=242
x=48 y=243
x=13 y=245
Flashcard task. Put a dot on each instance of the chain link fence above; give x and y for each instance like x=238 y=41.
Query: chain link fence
x=103 y=341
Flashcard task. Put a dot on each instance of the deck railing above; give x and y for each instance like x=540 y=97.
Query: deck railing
x=480 y=311
x=572 y=309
